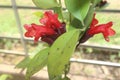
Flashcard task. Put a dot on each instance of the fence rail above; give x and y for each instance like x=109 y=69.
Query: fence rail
x=31 y=7
x=113 y=48
x=15 y=8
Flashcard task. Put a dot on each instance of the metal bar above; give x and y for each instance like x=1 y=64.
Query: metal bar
x=115 y=49
x=112 y=48
x=16 y=38
x=19 y=7
x=110 y=11
x=12 y=52
x=26 y=7
x=19 y=26
x=94 y=62
x=31 y=7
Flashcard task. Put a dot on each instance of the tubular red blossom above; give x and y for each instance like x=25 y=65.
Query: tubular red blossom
x=94 y=21
x=50 y=20
x=49 y=31
x=37 y=31
x=51 y=38
x=105 y=29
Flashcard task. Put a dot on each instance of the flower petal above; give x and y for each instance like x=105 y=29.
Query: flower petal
x=94 y=21
x=50 y=20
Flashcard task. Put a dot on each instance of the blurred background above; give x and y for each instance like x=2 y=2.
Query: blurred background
x=13 y=48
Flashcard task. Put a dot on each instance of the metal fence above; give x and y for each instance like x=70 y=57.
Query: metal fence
x=23 y=40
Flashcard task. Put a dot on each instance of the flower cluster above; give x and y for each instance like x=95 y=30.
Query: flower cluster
x=96 y=28
x=49 y=31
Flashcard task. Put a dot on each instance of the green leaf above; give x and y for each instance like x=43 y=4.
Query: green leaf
x=38 y=14
x=78 y=8
x=45 y=3
x=66 y=15
x=59 y=12
x=5 y=77
x=24 y=63
x=37 y=63
x=60 y=53
x=89 y=16
x=76 y=23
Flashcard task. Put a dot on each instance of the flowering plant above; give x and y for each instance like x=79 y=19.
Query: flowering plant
x=63 y=29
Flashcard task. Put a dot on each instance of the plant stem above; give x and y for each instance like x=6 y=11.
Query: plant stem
x=60 y=3
x=70 y=18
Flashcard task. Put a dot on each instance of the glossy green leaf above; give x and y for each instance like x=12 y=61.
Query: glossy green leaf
x=78 y=8
x=89 y=16
x=45 y=3
x=37 y=63
x=24 y=63
x=76 y=23
x=60 y=53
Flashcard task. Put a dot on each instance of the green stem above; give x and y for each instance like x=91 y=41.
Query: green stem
x=60 y=3
x=67 y=68
x=87 y=21
x=70 y=17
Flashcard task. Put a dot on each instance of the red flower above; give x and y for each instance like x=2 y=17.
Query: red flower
x=94 y=21
x=105 y=29
x=37 y=31
x=50 y=29
x=50 y=20
x=51 y=38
